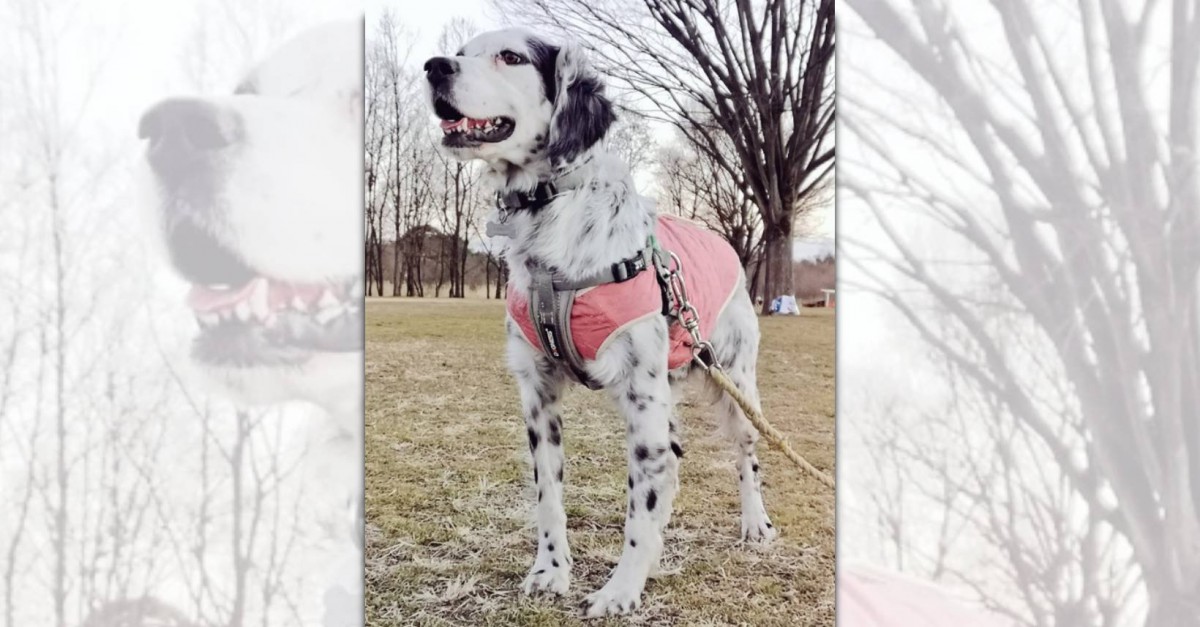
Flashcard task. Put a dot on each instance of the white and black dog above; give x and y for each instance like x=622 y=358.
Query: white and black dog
x=258 y=196
x=534 y=113
x=258 y=201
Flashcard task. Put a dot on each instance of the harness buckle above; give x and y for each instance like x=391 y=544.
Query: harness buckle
x=624 y=270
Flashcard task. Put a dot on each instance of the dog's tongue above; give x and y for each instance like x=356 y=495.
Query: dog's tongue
x=204 y=298
x=470 y=122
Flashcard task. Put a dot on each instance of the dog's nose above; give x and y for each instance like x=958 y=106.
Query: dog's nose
x=190 y=124
x=438 y=68
x=182 y=133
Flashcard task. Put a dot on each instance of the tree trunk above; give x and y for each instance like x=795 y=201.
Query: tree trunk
x=777 y=261
x=500 y=278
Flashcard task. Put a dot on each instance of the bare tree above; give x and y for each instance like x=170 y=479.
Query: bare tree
x=1036 y=233
x=695 y=186
x=756 y=76
x=630 y=138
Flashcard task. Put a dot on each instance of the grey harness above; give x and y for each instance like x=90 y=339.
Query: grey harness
x=551 y=298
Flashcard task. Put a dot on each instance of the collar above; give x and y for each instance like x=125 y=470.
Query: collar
x=532 y=201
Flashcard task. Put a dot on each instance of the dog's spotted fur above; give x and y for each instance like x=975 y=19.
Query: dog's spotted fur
x=561 y=115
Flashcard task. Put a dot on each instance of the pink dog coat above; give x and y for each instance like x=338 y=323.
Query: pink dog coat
x=710 y=272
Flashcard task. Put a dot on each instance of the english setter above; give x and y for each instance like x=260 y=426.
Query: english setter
x=535 y=113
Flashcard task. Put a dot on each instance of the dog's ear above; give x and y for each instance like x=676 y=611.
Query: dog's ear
x=582 y=114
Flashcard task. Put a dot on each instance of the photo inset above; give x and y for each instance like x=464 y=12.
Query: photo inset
x=600 y=313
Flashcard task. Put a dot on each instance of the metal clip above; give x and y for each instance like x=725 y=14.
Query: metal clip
x=683 y=311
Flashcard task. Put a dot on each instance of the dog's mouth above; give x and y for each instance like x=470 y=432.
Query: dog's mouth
x=250 y=319
x=459 y=130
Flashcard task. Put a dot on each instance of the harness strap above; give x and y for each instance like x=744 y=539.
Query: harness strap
x=619 y=272
x=551 y=301
x=550 y=311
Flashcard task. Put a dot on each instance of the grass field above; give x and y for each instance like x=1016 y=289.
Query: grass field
x=449 y=503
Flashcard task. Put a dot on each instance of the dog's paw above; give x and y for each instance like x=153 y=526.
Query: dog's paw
x=551 y=576
x=613 y=599
x=758 y=529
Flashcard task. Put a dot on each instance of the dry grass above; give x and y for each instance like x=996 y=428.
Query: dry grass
x=449 y=505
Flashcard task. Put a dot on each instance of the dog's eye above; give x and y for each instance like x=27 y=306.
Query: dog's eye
x=511 y=58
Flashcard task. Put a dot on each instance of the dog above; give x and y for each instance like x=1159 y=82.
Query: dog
x=536 y=114
x=258 y=200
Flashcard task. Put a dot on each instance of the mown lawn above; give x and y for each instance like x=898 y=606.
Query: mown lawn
x=449 y=503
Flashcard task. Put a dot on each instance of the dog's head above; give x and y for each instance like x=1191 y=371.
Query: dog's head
x=510 y=96
x=258 y=195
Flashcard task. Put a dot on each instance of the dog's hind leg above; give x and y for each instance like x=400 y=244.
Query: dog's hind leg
x=541 y=385
x=736 y=342
x=642 y=392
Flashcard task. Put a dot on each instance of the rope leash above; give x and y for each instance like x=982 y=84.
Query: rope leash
x=769 y=432
x=670 y=275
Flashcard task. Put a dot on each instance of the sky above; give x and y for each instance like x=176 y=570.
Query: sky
x=427 y=19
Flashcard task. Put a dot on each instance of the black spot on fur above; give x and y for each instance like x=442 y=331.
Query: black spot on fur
x=533 y=439
x=632 y=508
x=677 y=449
x=630 y=482
x=554 y=563
x=651 y=500
x=546 y=534
x=550 y=547
x=652 y=373
x=560 y=474
x=754 y=467
x=640 y=452
x=540 y=571
x=770 y=526
x=539 y=496
x=633 y=543
x=556 y=431
x=641 y=406
x=535 y=474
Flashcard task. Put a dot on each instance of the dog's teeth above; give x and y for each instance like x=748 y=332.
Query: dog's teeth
x=299 y=304
x=243 y=310
x=219 y=287
x=328 y=313
x=326 y=300
x=258 y=299
x=208 y=318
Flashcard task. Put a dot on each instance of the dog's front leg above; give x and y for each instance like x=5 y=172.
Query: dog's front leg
x=541 y=385
x=643 y=394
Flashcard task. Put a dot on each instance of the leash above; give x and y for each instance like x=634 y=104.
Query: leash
x=704 y=356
